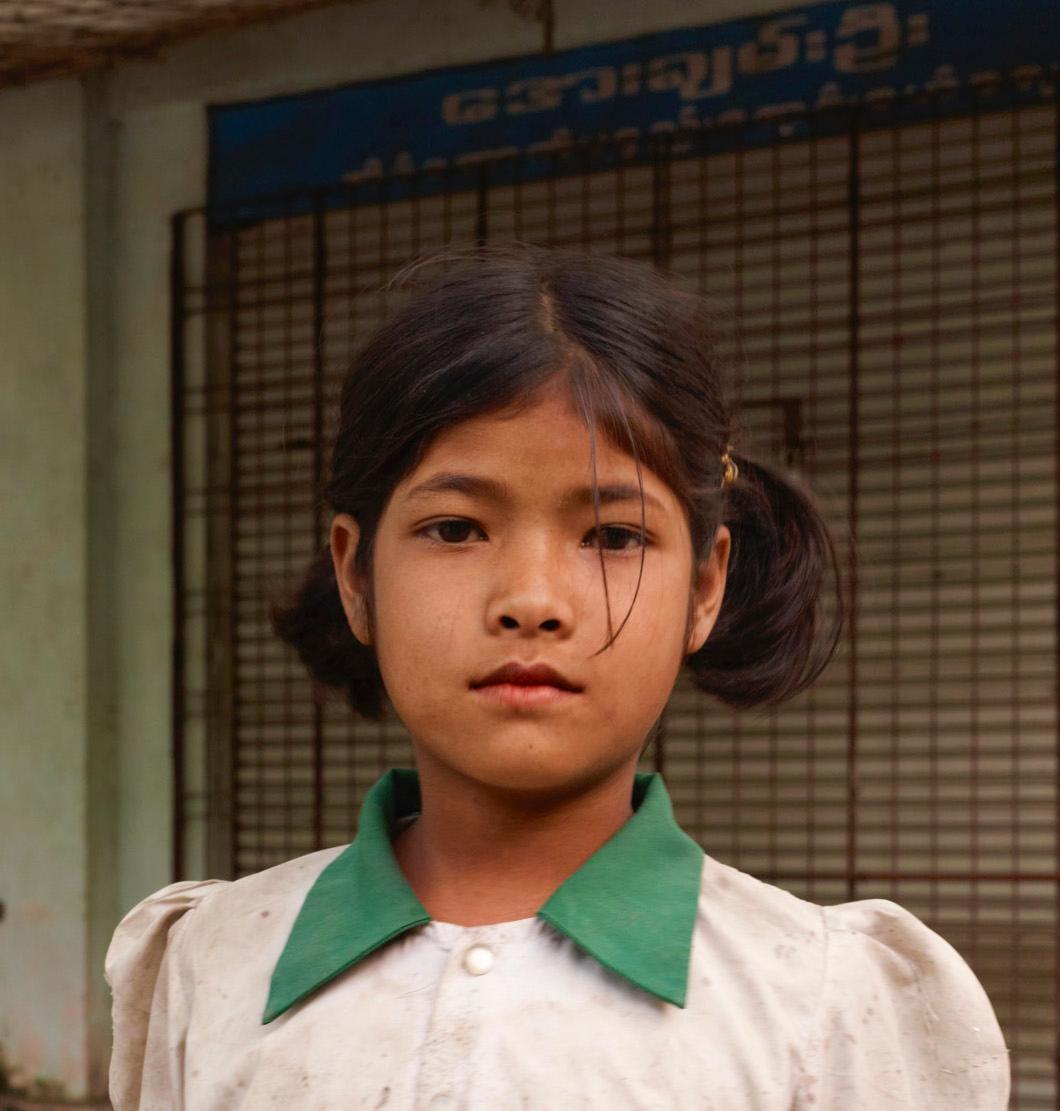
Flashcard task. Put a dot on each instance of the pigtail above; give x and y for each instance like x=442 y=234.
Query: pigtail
x=774 y=634
x=314 y=623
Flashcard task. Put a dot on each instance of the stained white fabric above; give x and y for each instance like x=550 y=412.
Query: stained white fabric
x=791 y=1007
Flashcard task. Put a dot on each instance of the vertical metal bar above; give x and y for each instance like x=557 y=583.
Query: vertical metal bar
x=230 y=526
x=177 y=510
x=283 y=713
x=854 y=462
x=585 y=208
x=660 y=240
x=250 y=649
x=1056 y=576
x=776 y=311
x=897 y=553
x=353 y=305
x=935 y=723
x=661 y=231
x=811 y=468
x=976 y=483
x=739 y=294
x=447 y=204
x=217 y=588
x=415 y=204
x=384 y=240
x=548 y=19
x=1014 y=601
x=520 y=172
x=482 y=202
x=319 y=279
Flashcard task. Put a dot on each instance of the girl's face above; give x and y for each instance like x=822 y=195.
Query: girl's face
x=486 y=555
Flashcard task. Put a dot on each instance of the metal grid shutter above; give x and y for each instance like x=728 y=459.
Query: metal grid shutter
x=896 y=294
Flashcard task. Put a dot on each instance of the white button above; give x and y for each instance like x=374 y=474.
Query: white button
x=478 y=960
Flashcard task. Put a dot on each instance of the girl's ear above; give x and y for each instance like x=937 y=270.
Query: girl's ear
x=709 y=590
x=345 y=533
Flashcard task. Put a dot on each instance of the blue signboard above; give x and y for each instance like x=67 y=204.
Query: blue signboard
x=436 y=130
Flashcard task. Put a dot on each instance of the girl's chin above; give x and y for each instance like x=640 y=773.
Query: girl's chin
x=537 y=770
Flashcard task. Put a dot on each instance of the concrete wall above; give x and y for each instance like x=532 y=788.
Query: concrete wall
x=91 y=173
x=44 y=637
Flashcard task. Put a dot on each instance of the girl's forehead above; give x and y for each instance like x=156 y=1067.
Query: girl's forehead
x=548 y=433
x=542 y=451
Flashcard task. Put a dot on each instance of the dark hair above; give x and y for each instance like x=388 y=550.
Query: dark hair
x=643 y=360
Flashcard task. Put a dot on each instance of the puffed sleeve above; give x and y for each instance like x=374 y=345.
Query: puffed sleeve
x=903 y=1024
x=147 y=971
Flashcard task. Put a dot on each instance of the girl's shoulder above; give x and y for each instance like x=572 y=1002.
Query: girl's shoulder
x=204 y=915
x=876 y=930
x=896 y=1016
x=152 y=961
x=210 y=905
x=899 y=1005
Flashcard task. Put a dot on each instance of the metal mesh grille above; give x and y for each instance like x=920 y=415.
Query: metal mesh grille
x=896 y=296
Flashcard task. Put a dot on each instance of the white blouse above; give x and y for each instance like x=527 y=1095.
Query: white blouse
x=319 y=984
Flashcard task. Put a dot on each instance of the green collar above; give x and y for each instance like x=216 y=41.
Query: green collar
x=632 y=905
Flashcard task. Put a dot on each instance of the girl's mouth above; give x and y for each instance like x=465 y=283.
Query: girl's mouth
x=519 y=696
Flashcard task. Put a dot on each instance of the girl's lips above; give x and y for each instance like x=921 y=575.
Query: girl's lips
x=518 y=696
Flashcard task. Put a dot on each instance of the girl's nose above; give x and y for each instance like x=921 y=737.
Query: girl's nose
x=530 y=615
x=549 y=625
x=536 y=604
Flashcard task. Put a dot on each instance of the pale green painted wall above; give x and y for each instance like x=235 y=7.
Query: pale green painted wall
x=43 y=573
x=91 y=174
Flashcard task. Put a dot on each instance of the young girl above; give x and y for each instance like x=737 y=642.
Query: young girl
x=538 y=520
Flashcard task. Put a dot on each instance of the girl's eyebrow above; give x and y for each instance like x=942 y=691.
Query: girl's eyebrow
x=491 y=489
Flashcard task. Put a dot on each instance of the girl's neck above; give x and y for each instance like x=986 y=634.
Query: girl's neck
x=477 y=856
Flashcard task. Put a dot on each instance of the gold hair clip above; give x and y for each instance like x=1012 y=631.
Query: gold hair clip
x=731 y=472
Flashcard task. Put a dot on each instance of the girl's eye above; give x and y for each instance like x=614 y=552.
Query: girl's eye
x=454 y=531
x=616 y=538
